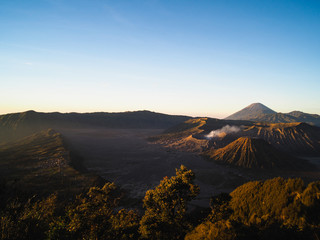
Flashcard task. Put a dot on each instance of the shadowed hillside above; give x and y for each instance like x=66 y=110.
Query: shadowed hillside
x=296 y=116
x=13 y=126
x=275 y=118
x=254 y=153
x=42 y=164
x=306 y=117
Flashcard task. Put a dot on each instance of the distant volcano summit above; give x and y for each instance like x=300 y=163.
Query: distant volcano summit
x=250 y=112
x=258 y=112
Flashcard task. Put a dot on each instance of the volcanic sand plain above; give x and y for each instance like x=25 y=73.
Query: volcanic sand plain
x=126 y=157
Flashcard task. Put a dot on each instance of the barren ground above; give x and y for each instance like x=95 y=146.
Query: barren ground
x=127 y=158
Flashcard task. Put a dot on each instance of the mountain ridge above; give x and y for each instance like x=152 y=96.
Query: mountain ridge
x=258 y=112
x=297 y=138
x=42 y=162
x=250 y=112
x=16 y=125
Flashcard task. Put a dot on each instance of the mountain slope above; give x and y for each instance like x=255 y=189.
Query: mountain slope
x=194 y=135
x=298 y=138
x=295 y=116
x=257 y=112
x=191 y=134
x=41 y=164
x=276 y=208
x=13 y=126
x=253 y=153
x=305 y=117
x=279 y=199
x=275 y=118
x=250 y=112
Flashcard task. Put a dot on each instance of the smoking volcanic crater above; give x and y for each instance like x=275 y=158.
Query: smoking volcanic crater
x=246 y=144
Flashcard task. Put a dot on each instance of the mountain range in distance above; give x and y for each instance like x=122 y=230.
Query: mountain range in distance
x=32 y=121
x=16 y=125
x=180 y=130
x=258 y=112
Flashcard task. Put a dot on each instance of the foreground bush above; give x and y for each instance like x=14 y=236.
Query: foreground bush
x=166 y=206
x=273 y=209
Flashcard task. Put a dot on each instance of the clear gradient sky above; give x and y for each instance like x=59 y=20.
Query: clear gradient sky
x=199 y=58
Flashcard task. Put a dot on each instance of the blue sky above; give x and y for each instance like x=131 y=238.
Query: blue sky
x=199 y=58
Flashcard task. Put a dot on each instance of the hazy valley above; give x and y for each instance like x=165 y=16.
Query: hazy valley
x=139 y=150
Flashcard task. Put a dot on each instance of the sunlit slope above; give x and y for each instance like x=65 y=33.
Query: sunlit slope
x=299 y=138
x=273 y=209
x=190 y=135
x=13 y=126
x=249 y=152
x=289 y=201
x=181 y=137
x=42 y=164
x=203 y=125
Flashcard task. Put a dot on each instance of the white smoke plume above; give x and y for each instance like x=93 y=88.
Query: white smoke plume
x=222 y=132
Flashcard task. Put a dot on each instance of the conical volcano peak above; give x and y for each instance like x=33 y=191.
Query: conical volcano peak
x=252 y=111
x=257 y=106
x=249 y=152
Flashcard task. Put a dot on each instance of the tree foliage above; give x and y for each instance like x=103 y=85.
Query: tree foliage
x=90 y=216
x=271 y=209
x=94 y=217
x=166 y=206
